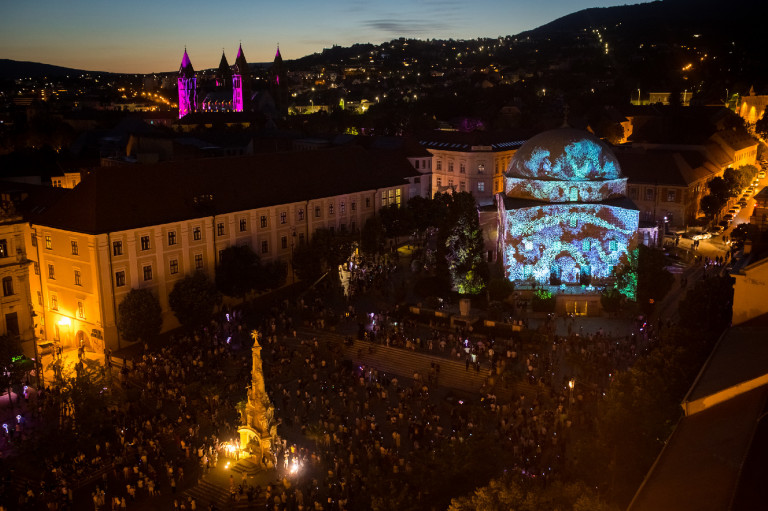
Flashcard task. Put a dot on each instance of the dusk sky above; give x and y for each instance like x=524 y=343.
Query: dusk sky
x=142 y=36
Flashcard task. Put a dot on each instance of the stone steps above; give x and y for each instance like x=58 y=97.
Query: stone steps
x=207 y=492
x=401 y=362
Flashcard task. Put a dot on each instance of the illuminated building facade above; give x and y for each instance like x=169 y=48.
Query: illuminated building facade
x=564 y=217
x=149 y=226
x=471 y=161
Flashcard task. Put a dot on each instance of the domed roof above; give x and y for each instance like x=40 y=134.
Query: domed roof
x=565 y=154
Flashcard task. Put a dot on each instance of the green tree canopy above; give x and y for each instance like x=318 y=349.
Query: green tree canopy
x=193 y=299
x=139 y=316
x=237 y=271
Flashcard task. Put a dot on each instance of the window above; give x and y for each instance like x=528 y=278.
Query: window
x=397 y=197
x=40 y=298
x=301 y=238
x=439 y=165
x=284 y=241
x=417 y=164
x=54 y=303
x=671 y=195
x=450 y=183
x=367 y=202
x=117 y=248
x=220 y=229
x=263 y=221
x=37 y=268
x=78 y=278
x=171 y=238
x=317 y=211
x=633 y=192
x=573 y=222
x=573 y=194
x=439 y=181
x=450 y=166
x=352 y=225
x=264 y=247
x=119 y=278
x=330 y=208
x=383 y=199
x=481 y=168
x=197 y=234
x=462 y=168
x=613 y=246
x=528 y=245
x=649 y=194
x=221 y=254
x=353 y=206
x=80 y=310
x=145 y=242
x=148 y=272
x=283 y=217
x=75 y=250
x=34 y=239
x=301 y=214
x=586 y=245
x=463 y=186
x=174 y=266
x=51 y=272
x=7 y=286
x=48 y=242
x=198 y=261
x=480 y=186
x=342 y=208
x=243 y=225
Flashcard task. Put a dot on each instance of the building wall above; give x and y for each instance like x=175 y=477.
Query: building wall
x=480 y=172
x=15 y=299
x=83 y=306
x=678 y=204
x=749 y=291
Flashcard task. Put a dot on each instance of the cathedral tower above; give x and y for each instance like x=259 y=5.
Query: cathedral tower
x=224 y=74
x=278 y=83
x=187 y=87
x=240 y=81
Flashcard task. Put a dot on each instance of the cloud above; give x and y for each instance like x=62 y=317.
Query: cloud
x=396 y=26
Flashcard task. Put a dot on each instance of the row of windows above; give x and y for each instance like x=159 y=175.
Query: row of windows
x=462 y=167
x=586 y=245
x=54 y=301
x=462 y=185
x=650 y=194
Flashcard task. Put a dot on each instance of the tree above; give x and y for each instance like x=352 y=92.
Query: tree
x=10 y=376
x=237 y=271
x=139 y=316
x=708 y=306
x=396 y=220
x=642 y=276
x=193 y=299
x=372 y=236
x=711 y=205
x=271 y=275
x=464 y=255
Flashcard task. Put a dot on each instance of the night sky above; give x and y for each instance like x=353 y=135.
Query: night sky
x=142 y=36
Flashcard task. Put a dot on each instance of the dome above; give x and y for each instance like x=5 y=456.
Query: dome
x=565 y=154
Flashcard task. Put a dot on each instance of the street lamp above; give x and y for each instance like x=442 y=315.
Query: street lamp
x=571 y=383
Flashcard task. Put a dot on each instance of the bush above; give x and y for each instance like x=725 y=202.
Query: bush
x=543 y=301
x=611 y=300
x=500 y=289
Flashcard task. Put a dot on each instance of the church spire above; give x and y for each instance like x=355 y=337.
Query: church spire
x=186 y=68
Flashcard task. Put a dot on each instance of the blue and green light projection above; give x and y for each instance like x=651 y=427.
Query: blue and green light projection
x=575 y=231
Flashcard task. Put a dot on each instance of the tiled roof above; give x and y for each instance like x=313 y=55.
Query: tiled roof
x=675 y=168
x=132 y=196
x=465 y=141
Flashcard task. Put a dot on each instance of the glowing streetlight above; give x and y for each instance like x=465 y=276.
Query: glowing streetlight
x=571 y=383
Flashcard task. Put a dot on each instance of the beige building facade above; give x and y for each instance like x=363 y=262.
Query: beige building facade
x=138 y=227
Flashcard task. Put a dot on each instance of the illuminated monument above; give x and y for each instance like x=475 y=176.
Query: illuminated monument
x=564 y=217
x=258 y=434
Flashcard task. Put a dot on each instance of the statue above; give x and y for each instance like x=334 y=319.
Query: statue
x=259 y=418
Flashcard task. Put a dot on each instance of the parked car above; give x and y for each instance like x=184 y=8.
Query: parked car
x=717 y=230
x=761 y=174
x=728 y=217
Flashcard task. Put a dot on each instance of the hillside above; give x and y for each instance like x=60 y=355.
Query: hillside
x=12 y=69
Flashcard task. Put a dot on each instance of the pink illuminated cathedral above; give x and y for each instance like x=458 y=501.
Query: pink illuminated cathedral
x=215 y=95
x=187 y=87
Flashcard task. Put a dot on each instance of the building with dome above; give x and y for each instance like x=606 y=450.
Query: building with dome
x=564 y=218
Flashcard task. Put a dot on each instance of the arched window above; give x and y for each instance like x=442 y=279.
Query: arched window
x=573 y=194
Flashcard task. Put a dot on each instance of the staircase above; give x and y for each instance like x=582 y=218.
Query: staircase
x=402 y=362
